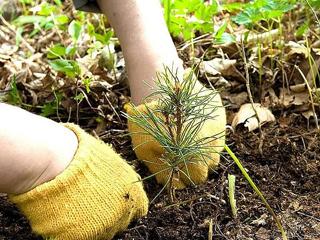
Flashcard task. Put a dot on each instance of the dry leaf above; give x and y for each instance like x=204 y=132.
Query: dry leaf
x=260 y=221
x=263 y=234
x=289 y=98
x=217 y=66
x=246 y=116
x=298 y=88
x=296 y=48
x=270 y=98
x=238 y=98
x=8 y=49
x=308 y=114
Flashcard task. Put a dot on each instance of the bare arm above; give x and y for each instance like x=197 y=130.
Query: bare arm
x=145 y=40
x=33 y=149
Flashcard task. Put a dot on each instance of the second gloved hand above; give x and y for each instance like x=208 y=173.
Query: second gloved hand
x=95 y=197
x=151 y=153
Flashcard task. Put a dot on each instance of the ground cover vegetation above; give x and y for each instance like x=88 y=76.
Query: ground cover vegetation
x=262 y=56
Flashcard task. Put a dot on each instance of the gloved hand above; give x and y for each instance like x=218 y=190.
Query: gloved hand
x=95 y=197
x=150 y=152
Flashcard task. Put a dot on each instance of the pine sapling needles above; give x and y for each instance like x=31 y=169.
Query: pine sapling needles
x=182 y=107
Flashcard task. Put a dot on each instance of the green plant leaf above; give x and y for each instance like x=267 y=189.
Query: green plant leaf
x=56 y=51
x=314 y=3
x=71 y=50
x=103 y=38
x=14 y=95
x=48 y=25
x=86 y=82
x=221 y=30
x=46 y=9
x=248 y=16
x=22 y=20
x=48 y=109
x=233 y=7
x=302 y=30
x=61 y=19
x=167 y=11
x=69 y=67
x=79 y=98
x=185 y=17
x=19 y=36
x=30 y=2
x=259 y=10
x=58 y=2
x=74 y=30
x=225 y=38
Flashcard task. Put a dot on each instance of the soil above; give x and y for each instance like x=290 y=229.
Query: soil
x=287 y=172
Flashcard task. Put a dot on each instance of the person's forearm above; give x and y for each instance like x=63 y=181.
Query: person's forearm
x=145 y=40
x=33 y=149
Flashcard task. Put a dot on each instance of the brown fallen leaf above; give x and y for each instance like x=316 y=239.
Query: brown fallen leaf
x=261 y=220
x=294 y=48
x=219 y=66
x=288 y=98
x=246 y=116
x=262 y=234
x=308 y=114
x=238 y=98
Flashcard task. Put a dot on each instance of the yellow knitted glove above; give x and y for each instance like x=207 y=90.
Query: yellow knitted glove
x=95 y=197
x=149 y=151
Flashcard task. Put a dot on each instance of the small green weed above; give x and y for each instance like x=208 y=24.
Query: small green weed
x=46 y=16
x=257 y=191
x=69 y=67
x=185 y=17
x=263 y=10
x=51 y=108
x=14 y=95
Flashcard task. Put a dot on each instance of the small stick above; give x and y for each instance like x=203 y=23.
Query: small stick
x=210 y=233
x=250 y=96
x=232 y=184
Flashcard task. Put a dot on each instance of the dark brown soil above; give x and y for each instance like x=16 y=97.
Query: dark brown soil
x=13 y=226
x=287 y=172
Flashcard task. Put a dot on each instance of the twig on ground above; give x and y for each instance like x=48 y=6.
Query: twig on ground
x=310 y=95
x=250 y=96
x=210 y=232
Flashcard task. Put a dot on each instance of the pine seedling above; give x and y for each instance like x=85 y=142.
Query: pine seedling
x=181 y=109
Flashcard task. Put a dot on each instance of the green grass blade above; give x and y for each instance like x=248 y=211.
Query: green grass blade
x=256 y=189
